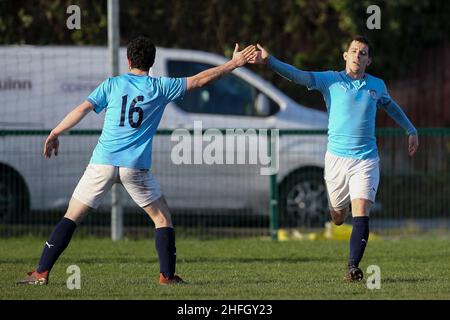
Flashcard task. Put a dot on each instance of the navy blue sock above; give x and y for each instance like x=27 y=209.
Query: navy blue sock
x=358 y=240
x=165 y=246
x=56 y=244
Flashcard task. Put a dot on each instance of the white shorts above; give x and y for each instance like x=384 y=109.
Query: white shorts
x=348 y=179
x=98 y=179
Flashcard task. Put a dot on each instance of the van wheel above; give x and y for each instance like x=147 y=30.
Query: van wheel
x=14 y=195
x=303 y=199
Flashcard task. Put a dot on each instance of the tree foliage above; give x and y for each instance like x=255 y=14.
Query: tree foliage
x=309 y=34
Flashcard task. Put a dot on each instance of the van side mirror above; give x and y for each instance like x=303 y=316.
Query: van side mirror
x=262 y=105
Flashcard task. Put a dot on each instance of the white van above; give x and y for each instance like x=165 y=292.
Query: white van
x=39 y=85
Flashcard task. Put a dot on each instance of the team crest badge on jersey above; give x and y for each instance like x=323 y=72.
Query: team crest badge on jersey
x=344 y=86
x=373 y=94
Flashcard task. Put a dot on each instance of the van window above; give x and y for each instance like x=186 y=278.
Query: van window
x=228 y=96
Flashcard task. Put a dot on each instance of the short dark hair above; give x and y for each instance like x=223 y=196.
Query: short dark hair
x=364 y=40
x=141 y=52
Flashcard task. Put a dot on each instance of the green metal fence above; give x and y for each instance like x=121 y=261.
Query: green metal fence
x=221 y=200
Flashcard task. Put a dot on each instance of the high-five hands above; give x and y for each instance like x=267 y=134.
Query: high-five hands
x=260 y=57
x=244 y=56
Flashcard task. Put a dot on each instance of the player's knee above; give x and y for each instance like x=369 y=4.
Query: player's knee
x=159 y=213
x=338 y=217
x=338 y=221
x=160 y=220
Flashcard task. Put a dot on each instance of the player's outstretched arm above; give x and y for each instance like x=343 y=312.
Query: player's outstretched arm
x=397 y=114
x=239 y=59
x=285 y=70
x=51 y=144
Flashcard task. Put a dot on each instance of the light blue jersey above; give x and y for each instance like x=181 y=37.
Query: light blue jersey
x=352 y=105
x=134 y=106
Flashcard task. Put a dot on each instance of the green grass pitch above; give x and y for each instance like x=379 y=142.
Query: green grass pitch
x=250 y=268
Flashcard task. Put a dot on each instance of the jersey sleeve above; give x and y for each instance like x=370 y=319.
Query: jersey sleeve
x=312 y=80
x=173 y=88
x=384 y=98
x=289 y=72
x=394 y=111
x=100 y=96
x=321 y=80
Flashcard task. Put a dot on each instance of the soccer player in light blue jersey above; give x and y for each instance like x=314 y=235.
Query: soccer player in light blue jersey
x=134 y=104
x=352 y=98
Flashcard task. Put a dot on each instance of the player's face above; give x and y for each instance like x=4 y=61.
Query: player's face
x=357 y=57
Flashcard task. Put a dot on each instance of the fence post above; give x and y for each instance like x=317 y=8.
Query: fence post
x=273 y=193
x=113 y=46
x=116 y=213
